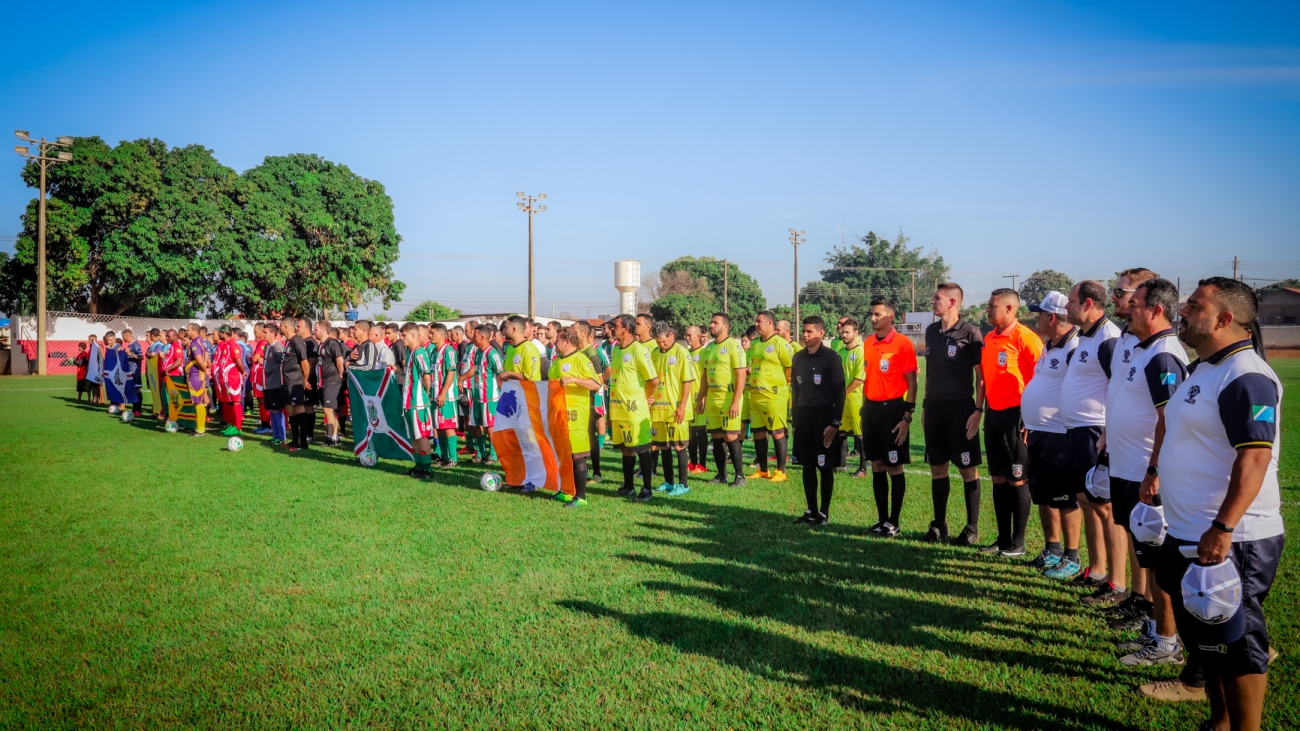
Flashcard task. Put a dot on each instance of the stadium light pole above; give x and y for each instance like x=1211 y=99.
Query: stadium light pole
x=44 y=160
x=796 y=238
x=526 y=204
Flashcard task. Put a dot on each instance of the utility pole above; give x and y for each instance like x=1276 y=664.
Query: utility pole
x=42 y=158
x=724 y=288
x=525 y=204
x=796 y=238
x=1013 y=278
x=1236 y=266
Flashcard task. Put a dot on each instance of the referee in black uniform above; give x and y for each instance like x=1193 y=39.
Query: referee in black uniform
x=954 y=383
x=817 y=395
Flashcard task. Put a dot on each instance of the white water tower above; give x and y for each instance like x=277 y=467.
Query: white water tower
x=627 y=280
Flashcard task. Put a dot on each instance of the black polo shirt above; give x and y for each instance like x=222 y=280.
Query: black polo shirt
x=950 y=359
x=817 y=381
x=294 y=354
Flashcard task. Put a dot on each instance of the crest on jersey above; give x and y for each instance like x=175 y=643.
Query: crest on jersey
x=965 y=459
x=1002 y=358
x=1017 y=470
x=817 y=379
x=1127 y=355
x=1132 y=371
x=566 y=367
x=952 y=350
x=1083 y=356
x=770 y=349
x=853 y=356
x=1192 y=393
x=722 y=350
x=884 y=365
x=672 y=360
x=627 y=357
x=893 y=456
x=1053 y=363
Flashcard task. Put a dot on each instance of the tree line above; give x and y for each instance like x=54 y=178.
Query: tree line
x=144 y=229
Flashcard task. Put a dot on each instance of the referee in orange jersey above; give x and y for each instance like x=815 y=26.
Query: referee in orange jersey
x=889 y=366
x=1010 y=352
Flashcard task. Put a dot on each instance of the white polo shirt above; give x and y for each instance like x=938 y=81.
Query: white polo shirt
x=1083 y=394
x=1040 y=404
x=1231 y=400
x=1143 y=377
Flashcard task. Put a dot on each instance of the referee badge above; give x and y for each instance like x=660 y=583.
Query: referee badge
x=722 y=350
x=518 y=360
x=821 y=460
x=884 y=365
x=817 y=379
x=893 y=457
x=952 y=350
x=1017 y=471
x=1002 y=358
x=627 y=357
x=965 y=459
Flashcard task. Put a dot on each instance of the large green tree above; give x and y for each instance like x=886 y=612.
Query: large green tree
x=308 y=234
x=129 y=230
x=875 y=267
x=431 y=311
x=743 y=297
x=1274 y=286
x=683 y=310
x=1037 y=285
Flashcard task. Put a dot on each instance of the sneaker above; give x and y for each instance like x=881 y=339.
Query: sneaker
x=296 y=448
x=936 y=533
x=645 y=496
x=968 y=537
x=738 y=482
x=1084 y=580
x=853 y=453
x=1044 y=560
x=759 y=474
x=1133 y=606
x=1148 y=627
x=199 y=434
x=1064 y=569
x=1171 y=691
x=561 y=497
x=699 y=469
x=263 y=430
x=229 y=431
x=875 y=529
x=421 y=474
x=860 y=473
x=1122 y=620
x=889 y=530
x=1154 y=654
x=719 y=480
x=577 y=502
x=1014 y=552
x=591 y=479
x=808 y=517
x=991 y=549
x=1105 y=596
x=664 y=487
x=626 y=491
x=779 y=476
x=527 y=488
x=678 y=490
x=821 y=519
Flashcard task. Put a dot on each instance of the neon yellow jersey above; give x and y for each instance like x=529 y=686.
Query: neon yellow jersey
x=524 y=360
x=798 y=346
x=721 y=361
x=768 y=361
x=854 y=367
x=577 y=399
x=697 y=362
x=630 y=369
x=838 y=346
x=675 y=368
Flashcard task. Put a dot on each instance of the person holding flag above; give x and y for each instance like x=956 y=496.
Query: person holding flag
x=522 y=355
x=573 y=371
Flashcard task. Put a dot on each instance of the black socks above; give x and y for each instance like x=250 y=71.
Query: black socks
x=940 y=487
x=629 y=469
x=720 y=458
x=782 y=450
x=898 y=488
x=580 y=477
x=666 y=457
x=736 y=464
x=972 y=493
x=880 y=486
x=647 y=470
x=683 y=468
x=760 y=452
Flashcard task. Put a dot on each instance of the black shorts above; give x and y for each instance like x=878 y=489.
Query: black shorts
x=1050 y=483
x=1081 y=451
x=1005 y=445
x=274 y=398
x=85 y=386
x=809 y=434
x=1256 y=562
x=1123 y=498
x=295 y=395
x=878 y=440
x=329 y=395
x=945 y=433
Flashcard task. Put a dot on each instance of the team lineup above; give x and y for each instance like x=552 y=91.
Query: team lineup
x=1164 y=468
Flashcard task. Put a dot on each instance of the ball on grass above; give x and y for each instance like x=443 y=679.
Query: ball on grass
x=127 y=416
x=112 y=410
x=235 y=444
x=490 y=481
x=171 y=427
x=368 y=458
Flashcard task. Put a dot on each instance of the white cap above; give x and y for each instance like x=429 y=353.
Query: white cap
x=1212 y=594
x=1098 y=482
x=1148 y=524
x=1053 y=302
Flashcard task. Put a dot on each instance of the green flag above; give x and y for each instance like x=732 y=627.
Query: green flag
x=377 y=421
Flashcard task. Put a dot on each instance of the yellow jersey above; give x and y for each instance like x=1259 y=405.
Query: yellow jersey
x=721 y=361
x=630 y=369
x=768 y=361
x=675 y=368
x=524 y=360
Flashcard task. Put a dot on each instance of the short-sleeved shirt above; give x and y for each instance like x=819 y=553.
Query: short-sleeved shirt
x=599 y=359
x=443 y=366
x=1231 y=400
x=485 y=367
x=767 y=361
x=577 y=399
x=721 y=361
x=273 y=361
x=675 y=368
x=295 y=355
x=1040 y=404
x=854 y=361
x=1143 y=378
x=631 y=368
x=1008 y=360
x=414 y=395
x=330 y=351
x=525 y=360
x=950 y=359
x=1083 y=394
x=886 y=363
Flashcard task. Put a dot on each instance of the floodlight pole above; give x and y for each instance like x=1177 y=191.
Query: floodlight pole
x=525 y=204
x=44 y=160
x=796 y=238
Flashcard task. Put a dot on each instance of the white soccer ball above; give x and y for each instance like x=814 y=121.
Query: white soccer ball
x=368 y=458
x=235 y=444
x=127 y=416
x=490 y=481
x=112 y=410
x=172 y=427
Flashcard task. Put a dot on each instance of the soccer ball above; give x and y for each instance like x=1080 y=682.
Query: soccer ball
x=172 y=427
x=127 y=416
x=490 y=481
x=112 y=410
x=368 y=458
x=235 y=444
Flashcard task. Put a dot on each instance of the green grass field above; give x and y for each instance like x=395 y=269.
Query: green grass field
x=151 y=580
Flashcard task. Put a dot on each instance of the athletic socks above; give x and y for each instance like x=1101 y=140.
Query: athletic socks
x=898 y=488
x=782 y=451
x=1168 y=644
x=647 y=470
x=666 y=458
x=293 y=430
x=844 y=453
x=1054 y=548
x=580 y=478
x=737 y=461
x=760 y=454
x=862 y=453
x=880 y=486
x=629 y=469
x=1072 y=554
x=940 y=487
x=683 y=469
x=1023 y=505
x=1003 y=508
x=971 y=491
x=720 y=457
x=810 y=488
x=828 y=487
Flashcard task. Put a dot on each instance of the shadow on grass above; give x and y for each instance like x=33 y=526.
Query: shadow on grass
x=919 y=599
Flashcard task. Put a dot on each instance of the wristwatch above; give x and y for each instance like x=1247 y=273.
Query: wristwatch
x=835 y=423
x=1222 y=527
x=907 y=416
x=1153 y=471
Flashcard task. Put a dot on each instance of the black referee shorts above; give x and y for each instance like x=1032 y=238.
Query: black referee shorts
x=878 y=440
x=945 y=433
x=1050 y=483
x=810 y=424
x=1005 y=444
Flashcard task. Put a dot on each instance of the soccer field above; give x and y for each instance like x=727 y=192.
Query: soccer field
x=151 y=580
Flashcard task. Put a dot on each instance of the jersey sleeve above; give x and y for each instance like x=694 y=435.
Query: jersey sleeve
x=1106 y=351
x=451 y=362
x=738 y=359
x=1163 y=374
x=787 y=356
x=1031 y=351
x=908 y=353
x=689 y=372
x=1248 y=409
x=857 y=370
x=645 y=366
x=585 y=369
x=494 y=362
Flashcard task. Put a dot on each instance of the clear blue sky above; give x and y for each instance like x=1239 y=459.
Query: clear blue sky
x=1084 y=137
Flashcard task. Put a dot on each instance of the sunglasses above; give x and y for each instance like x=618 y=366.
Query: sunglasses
x=1118 y=292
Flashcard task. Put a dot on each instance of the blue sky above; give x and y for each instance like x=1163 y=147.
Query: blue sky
x=1008 y=136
